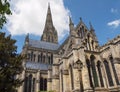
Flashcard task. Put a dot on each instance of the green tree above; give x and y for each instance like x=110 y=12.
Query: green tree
x=4 y=10
x=10 y=64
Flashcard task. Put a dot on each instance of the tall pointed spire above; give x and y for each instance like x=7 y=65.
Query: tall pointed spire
x=49 y=22
x=49 y=33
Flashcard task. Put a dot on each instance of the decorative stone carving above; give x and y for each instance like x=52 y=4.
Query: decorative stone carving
x=78 y=65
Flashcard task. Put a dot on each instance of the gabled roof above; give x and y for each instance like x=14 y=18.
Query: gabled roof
x=43 y=45
x=81 y=23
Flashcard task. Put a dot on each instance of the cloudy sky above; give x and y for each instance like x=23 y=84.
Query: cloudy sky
x=28 y=16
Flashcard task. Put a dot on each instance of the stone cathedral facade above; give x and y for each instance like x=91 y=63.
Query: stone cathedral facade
x=79 y=64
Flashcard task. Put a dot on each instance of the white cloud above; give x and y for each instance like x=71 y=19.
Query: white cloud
x=113 y=10
x=28 y=16
x=115 y=23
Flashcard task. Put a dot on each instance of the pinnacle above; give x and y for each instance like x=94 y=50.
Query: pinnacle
x=49 y=22
x=91 y=27
x=70 y=20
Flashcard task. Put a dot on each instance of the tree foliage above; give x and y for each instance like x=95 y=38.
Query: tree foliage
x=4 y=10
x=10 y=64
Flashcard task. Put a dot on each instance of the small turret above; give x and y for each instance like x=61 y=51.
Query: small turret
x=91 y=28
x=27 y=39
x=71 y=26
x=93 y=31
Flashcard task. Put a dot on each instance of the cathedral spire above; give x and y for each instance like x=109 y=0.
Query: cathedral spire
x=49 y=22
x=49 y=32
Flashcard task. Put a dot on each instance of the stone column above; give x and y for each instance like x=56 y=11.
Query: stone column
x=21 y=88
x=38 y=81
x=115 y=54
x=76 y=79
x=104 y=77
x=85 y=75
x=55 y=74
x=96 y=67
x=117 y=67
x=36 y=56
x=112 y=74
x=66 y=81
x=46 y=58
x=49 y=80
x=55 y=78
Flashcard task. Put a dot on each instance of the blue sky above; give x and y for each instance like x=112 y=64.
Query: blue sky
x=100 y=13
x=103 y=14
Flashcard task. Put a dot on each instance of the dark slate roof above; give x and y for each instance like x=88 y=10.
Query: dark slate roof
x=36 y=65
x=43 y=45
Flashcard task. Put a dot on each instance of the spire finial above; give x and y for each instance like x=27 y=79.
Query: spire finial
x=27 y=38
x=70 y=20
x=80 y=18
x=91 y=27
x=48 y=4
x=49 y=17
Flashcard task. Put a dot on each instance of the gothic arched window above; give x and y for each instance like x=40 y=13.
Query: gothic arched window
x=41 y=84
x=89 y=72
x=45 y=84
x=39 y=58
x=30 y=83
x=92 y=43
x=62 y=81
x=52 y=39
x=79 y=33
x=25 y=84
x=100 y=73
x=48 y=59
x=34 y=57
x=28 y=56
x=31 y=56
x=49 y=38
x=109 y=76
x=33 y=85
x=114 y=71
x=82 y=31
x=43 y=59
x=71 y=77
x=51 y=58
x=95 y=77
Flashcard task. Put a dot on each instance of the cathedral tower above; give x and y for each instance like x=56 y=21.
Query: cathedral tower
x=49 y=33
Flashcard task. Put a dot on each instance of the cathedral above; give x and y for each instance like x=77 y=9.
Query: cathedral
x=79 y=64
